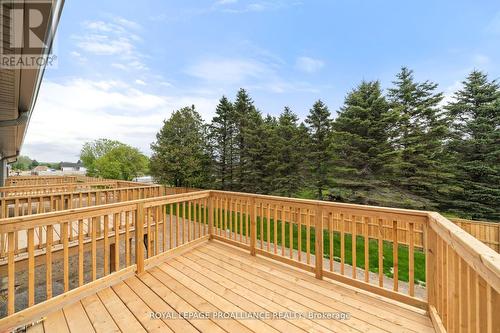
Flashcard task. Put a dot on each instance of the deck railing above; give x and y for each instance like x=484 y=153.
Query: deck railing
x=44 y=203
x=39 y=180
x=358 y=245
x=26 y=190
x=453 y=275
x=464 y=279
x=107 y=234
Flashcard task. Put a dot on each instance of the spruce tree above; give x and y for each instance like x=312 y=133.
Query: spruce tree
x=244 y=109
x=319 y=127
x=475 y=115
x=288 y=176
x=419 y=135
x=362 y=153
x=223 y=129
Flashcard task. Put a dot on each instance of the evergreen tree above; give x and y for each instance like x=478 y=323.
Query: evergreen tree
x=223 y=130
x=288 y=176
x=362 y=152
x=248 y=143
x=252 y=154
x=420 y=132
x=475 y=114
x=270 y=154
x=319 y=126
x=180 y=152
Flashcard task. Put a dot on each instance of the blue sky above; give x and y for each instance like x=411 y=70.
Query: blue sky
x=124 y=66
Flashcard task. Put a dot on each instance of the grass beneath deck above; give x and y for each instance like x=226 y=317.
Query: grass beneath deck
x=388 y=259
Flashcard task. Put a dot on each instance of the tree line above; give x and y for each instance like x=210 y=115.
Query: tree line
x=405 y=147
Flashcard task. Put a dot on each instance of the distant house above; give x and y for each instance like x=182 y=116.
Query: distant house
x=39 y=169
x=68 y=167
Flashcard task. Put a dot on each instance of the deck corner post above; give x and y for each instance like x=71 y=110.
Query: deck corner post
x=139 y=233
x=318 y=244
x=430 y=269
x=210 y=216
x=253 y=226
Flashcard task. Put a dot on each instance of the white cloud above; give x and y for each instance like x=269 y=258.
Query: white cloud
x=232 y=6
x=225 y=2
x=140 y=82
x=229 y=71
x=114 y=38
x=308 y=64
x=69 y=113
x=481 y=60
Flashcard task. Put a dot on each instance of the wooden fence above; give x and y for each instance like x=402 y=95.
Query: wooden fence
x=486 y=232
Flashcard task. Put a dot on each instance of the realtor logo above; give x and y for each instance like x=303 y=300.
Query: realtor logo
x=24 y=29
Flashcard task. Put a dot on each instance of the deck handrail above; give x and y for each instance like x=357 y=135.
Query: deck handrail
x=314 y=237
x=464 y=289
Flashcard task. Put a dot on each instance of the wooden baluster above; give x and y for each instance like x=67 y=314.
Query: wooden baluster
x=107 y=249
x=395 y=248
x=318 y=242
x=354 y=247
x=234 y=218
x=253 y=226
x=200 y=220
x=48 y=261
x=177 y=222
x=164 y=213
x=11 y=273
x=184 y=222
x=275 y=224
x=308 y=236
x=299 y=234
x=247 y=221
x=380 y=252
x=342 y=244
x=148 y=231
x=210 y=218
x=127 y=238
x=116 y=222
x=94 y=248
x=330 y=234
x=64 y=236
x=189 y=221
x=157 y=229
x=241 y=219
x=171 y=226
x=411 y=260
x=216 y=216
x=268 y=227
x=283 y=232
x=290 y=233
x=223 y=216
x=80 y=253
x=367 y=249
x=261 y=234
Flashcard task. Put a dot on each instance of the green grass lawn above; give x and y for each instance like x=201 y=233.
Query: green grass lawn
x=403 y=252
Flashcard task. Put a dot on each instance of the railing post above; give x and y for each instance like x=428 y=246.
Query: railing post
x=253 y=227
x=430 y=271
x=210 y=215
x=139 y=234
x=318 y=244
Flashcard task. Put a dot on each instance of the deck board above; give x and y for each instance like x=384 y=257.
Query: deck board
x=215 y=277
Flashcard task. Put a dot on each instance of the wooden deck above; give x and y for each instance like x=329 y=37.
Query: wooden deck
x=215 y=278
